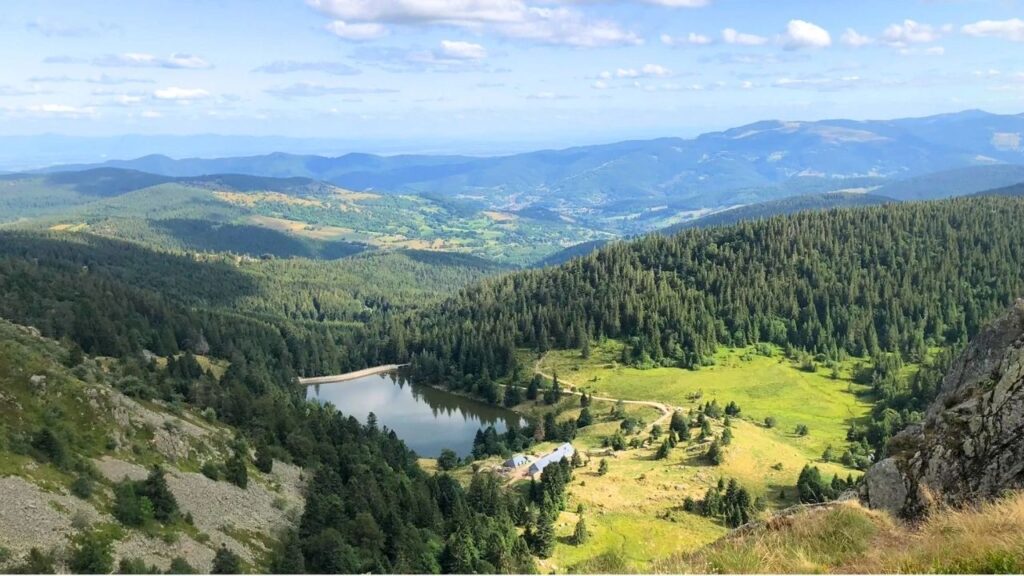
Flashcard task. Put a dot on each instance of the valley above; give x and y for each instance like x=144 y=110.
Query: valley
x=711 y=376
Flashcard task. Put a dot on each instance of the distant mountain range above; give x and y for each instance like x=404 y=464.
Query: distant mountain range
x=635 y=186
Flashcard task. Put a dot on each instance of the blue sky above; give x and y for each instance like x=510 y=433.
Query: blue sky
x=519 y=72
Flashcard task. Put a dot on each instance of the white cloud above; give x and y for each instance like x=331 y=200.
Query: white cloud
x=655 y=70
x=645 y=71
x=691 y=39
x=679 y=3
x=1012 y=29
x=599 y=85
x=144 y=60
x=803 y=34
x=457 y=50
x=929 y=51
x=289 y=66
x=548 y=96
x=911 y=32
x=731 y=36
x=61 y=110
x=461 y=12
x=180 y=94
x=852 y=38
x=150 y=114
x=368 y=19
x=356 y=32
x=311 y=90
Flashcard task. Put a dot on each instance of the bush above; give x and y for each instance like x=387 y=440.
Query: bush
x=49 y=447
x=136 y=566
x=37 y=562
x=448 y=460
x=180 y=566
x=226 y=562
x=91 y=553
x=83 y=487
x=770 y=422
x=212 y=470
x=235 y=470
x=801 y=430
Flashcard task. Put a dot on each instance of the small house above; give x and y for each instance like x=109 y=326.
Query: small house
x=516 y=461
x=564 y=451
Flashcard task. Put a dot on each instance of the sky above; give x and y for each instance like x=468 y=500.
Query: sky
x=518 y=73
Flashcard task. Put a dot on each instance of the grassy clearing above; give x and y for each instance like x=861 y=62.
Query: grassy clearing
x=634 y=512
x=762 y=387
x=850 y=539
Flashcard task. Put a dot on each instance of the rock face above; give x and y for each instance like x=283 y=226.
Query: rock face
x=970 y=444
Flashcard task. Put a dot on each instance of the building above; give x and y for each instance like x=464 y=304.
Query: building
x=564 y=451
x=516 y=461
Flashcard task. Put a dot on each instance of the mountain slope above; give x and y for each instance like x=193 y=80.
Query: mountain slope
x=958 y=182
x=814 y=202
x=748 y=164
x=283 y=217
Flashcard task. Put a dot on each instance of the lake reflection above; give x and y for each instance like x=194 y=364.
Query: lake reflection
x=426 y=418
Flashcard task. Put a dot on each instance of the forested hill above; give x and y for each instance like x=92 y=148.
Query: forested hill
x=369 y=506
x=897 y=277
x=792 y=205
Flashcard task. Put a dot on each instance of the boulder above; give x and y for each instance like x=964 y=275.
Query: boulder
x=969 y=446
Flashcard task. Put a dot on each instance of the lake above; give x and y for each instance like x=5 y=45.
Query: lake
x=426 y=418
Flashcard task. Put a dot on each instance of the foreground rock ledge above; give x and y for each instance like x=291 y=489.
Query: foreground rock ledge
x=970 y=445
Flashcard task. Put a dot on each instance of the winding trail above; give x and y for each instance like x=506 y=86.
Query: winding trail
x=665 y=409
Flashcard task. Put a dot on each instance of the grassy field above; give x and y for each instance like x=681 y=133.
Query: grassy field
x=634 y=512
x=762 y=387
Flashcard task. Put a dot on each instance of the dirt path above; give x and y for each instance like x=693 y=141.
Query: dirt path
x=351 y=375
x=665 y=409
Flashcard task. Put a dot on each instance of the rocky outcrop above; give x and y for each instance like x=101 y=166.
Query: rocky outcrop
x=970 y=444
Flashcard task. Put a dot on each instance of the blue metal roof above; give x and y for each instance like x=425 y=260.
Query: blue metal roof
x=516 y=461
x=564 y=451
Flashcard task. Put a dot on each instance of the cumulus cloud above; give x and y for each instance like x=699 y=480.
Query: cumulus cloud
x=912 y=32
x=289 y=66
x=731 y=36
x=803 y=34
x=853 y=38
x=144 y=60
x=457 y=50
x=180 y=94
x=645 y=71
x=368 y=19
x=1012 y=29
x=691 y=39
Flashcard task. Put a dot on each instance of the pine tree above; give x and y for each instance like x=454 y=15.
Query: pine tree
x=580 y=534
x=602 y=468
x=544 y=538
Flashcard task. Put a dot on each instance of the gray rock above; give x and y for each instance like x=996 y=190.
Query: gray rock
x=970 y=445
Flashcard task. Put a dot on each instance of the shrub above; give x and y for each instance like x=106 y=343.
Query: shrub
x=91 y=553
x=226 y=562
x=83 y=487
x=770 y=422
x=212 y=470
x=448 y=460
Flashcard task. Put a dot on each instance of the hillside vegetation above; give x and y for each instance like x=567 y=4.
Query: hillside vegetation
x=260 y=216
x=847 y=538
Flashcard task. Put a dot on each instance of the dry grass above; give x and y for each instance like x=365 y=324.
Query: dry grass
x=316 y=232
x=847 y=538
x=500 y=216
